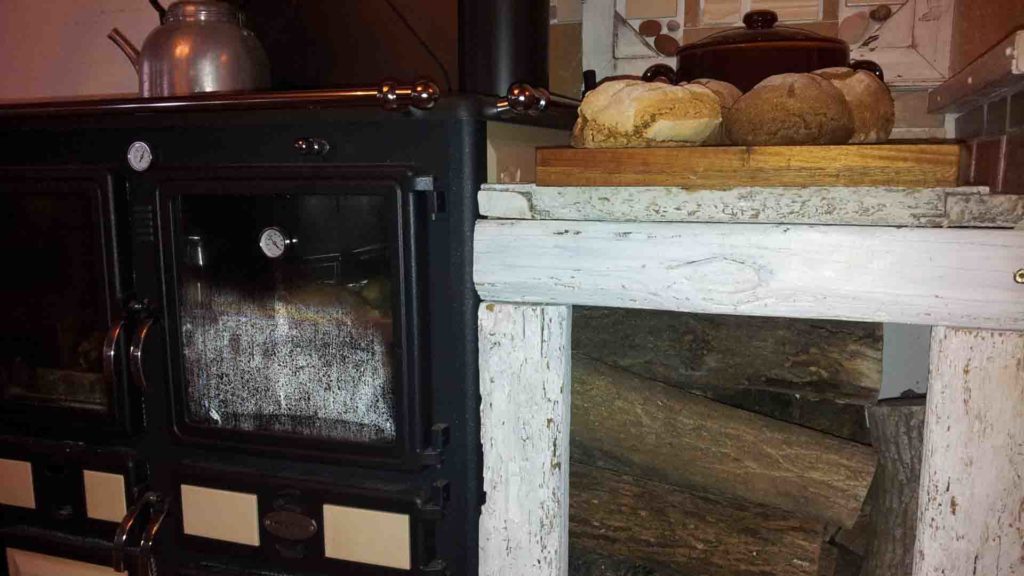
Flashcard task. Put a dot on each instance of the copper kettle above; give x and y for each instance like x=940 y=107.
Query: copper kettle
x=200 y=46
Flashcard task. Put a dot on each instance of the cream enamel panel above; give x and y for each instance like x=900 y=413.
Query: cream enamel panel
x=104 y=496
x=367 y=537
x=220 y=515
x=16 y=484
x=22 y=563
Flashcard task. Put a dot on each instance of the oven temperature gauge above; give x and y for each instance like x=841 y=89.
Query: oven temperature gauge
x=140 y=156
x=274 y=241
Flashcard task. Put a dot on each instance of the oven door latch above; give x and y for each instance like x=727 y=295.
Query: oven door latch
x=440 y=435
x=153 y=507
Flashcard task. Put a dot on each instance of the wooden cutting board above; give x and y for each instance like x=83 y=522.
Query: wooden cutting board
x=891 y=165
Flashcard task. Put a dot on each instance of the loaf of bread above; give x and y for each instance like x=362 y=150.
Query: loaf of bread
x=727 y=97
x=634 y=113
x=790 y=109
x=874 y=112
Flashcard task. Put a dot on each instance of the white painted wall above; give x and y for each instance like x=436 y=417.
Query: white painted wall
x=59 y=48
x=905 y=358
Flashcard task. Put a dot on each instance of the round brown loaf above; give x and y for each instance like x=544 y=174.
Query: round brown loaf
x=790 y=109
x=633 y=113
x=727 y=97
x=874 y=112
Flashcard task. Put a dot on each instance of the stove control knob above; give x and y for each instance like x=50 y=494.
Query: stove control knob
x=312 y=146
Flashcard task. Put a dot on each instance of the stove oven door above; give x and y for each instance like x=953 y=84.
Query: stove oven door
x=293 y=313
x=36 y=556
x=62 y=323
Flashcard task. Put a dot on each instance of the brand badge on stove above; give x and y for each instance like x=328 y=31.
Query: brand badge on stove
x=290 y=525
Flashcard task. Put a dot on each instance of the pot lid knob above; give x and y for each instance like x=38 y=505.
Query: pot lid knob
x=760 y=19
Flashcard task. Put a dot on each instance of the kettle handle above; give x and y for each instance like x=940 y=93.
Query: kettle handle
x=159 y=9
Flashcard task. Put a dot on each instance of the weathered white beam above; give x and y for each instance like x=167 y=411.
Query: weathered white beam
x=949 y=277
x=927 y=207
x=972 y=494
x=524 y=388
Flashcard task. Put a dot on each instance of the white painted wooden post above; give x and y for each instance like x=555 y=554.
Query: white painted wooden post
x=971 y=517
x=524 y=387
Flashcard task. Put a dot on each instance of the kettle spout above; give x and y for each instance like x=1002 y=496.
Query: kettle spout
x=126 y=46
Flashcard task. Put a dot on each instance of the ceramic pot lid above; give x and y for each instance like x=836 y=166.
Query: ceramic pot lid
x=760 y=28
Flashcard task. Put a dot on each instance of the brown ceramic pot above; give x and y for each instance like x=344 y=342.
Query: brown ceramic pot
x=745 y=56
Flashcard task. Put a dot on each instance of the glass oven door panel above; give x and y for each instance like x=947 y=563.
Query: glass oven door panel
x=290 y=298
x=61 y=295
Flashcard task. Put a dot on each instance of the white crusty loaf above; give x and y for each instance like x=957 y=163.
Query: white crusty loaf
x=874 y=112
x=634 y=113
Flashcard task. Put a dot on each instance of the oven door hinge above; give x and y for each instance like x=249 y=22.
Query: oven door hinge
x=433 y=508
x=440 y=434
x=435 y=198
x=435 y=568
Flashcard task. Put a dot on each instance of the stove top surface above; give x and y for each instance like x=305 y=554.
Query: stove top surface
x=421 y=97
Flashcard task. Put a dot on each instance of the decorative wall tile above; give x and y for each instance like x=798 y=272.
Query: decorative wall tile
x=642 y=9
x=565 y=11
x=790 y=10
x=725 y=12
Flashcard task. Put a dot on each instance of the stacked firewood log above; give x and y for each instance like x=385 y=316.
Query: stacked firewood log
x=724 y=446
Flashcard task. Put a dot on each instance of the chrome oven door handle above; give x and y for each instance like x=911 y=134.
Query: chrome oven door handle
x=123 y=529
x=110 y=353
x=135 y=351
x=160 y=506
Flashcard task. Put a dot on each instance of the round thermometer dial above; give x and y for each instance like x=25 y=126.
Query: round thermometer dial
x=273 y=242
x=140 y=156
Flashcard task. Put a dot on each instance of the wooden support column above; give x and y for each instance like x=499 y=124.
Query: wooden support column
x=972 y=495
x=524 y=387
x=897 y=427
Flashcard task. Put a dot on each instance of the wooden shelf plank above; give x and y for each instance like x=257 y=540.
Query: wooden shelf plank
x=706 y=167
x=963 y=207
x=930 y=276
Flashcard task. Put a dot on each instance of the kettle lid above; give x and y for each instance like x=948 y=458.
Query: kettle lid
x=202 y=11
